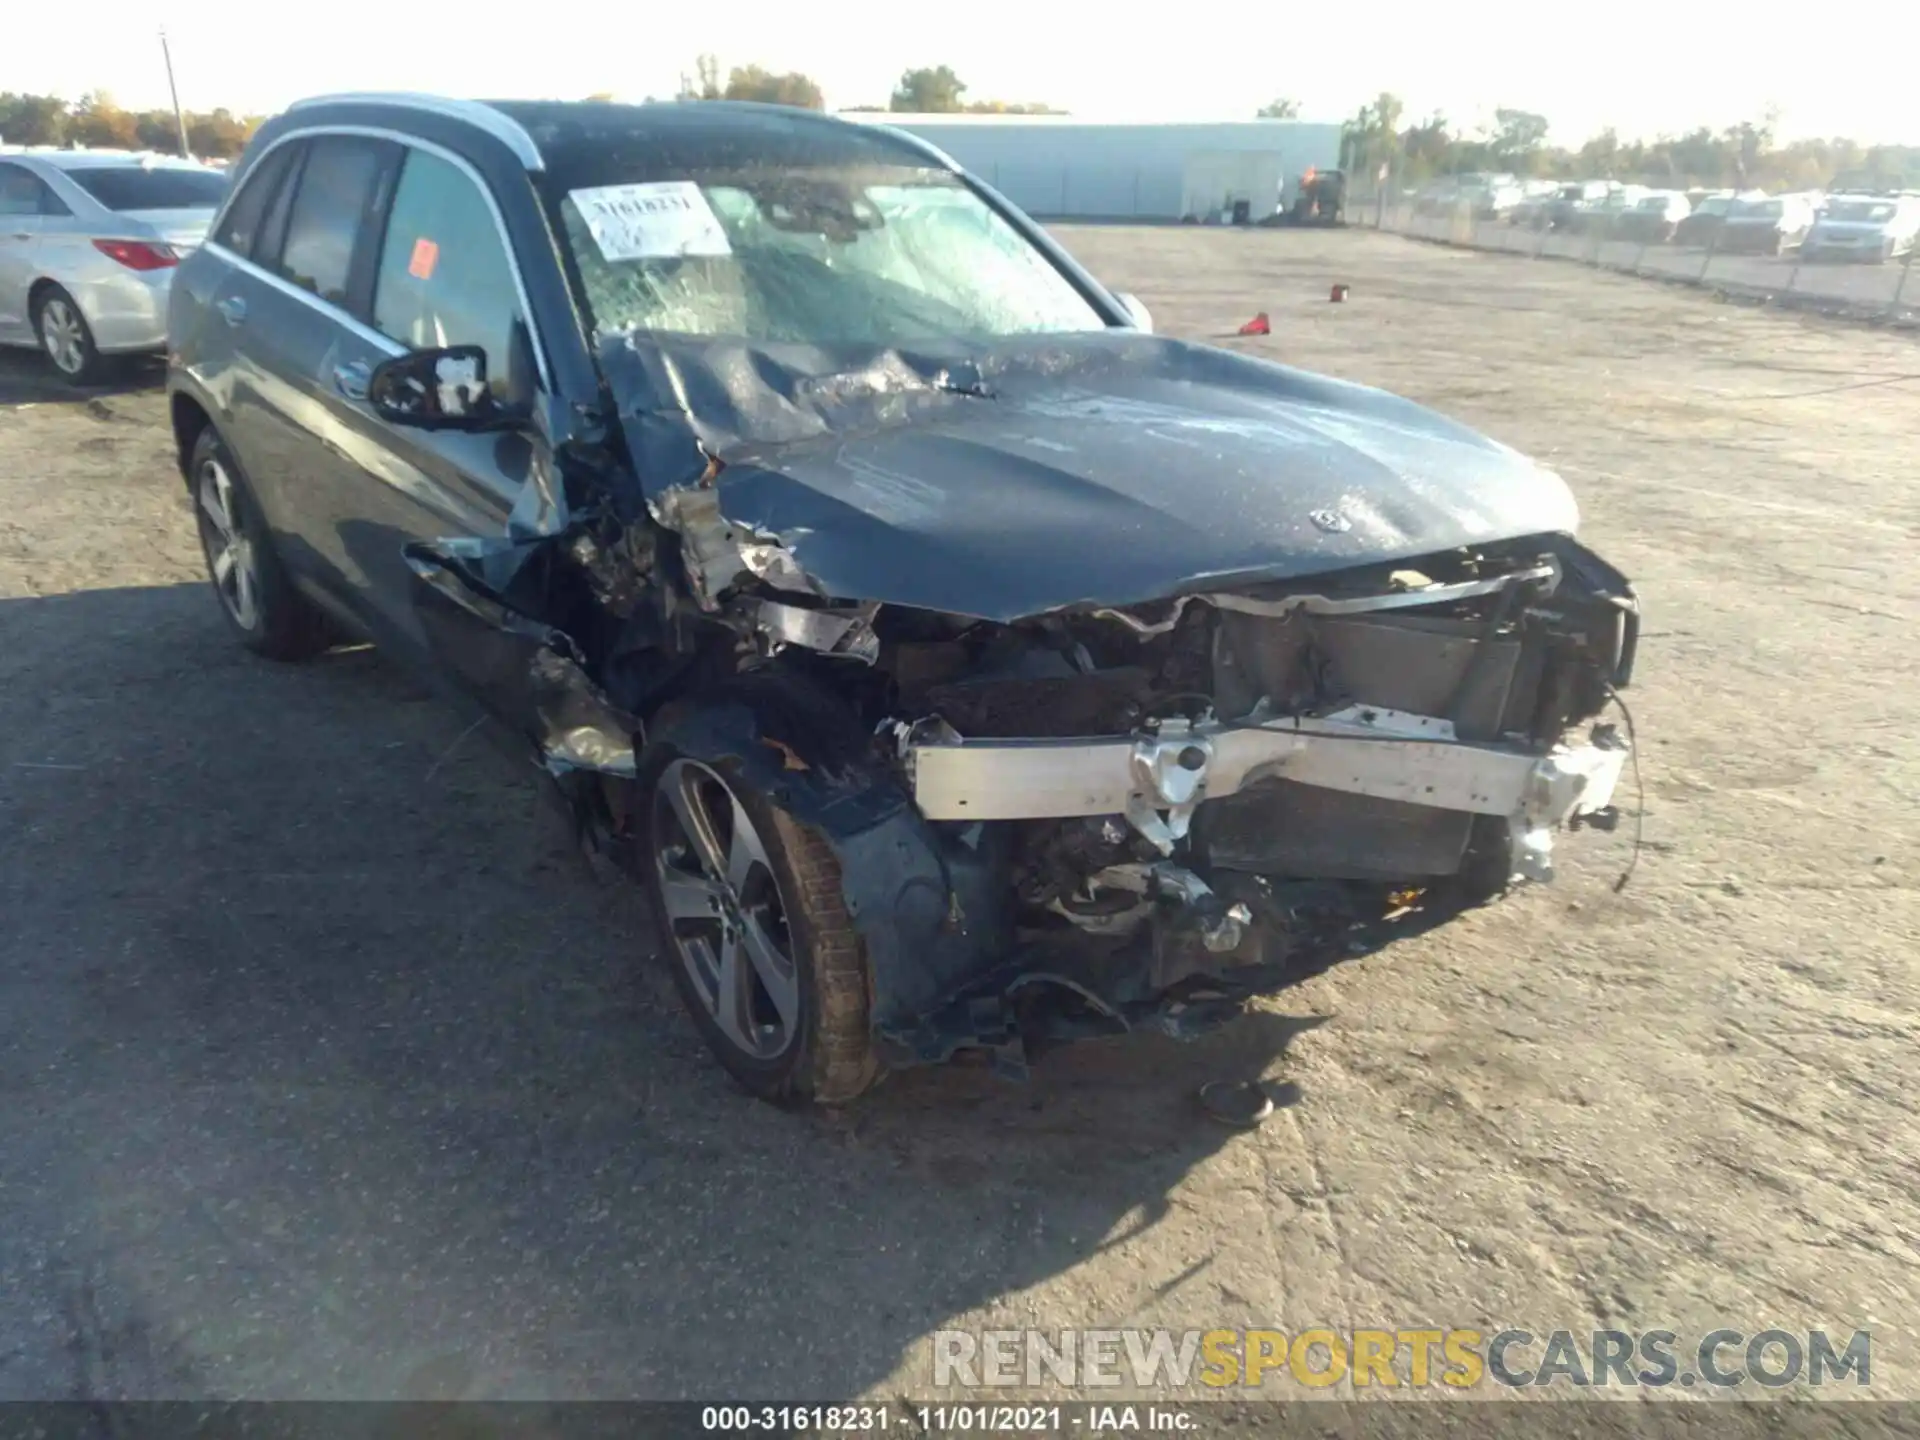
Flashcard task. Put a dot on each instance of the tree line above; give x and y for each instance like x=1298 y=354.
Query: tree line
x=1739 y=156
x=926 y=90
x=1378 y=134
x=97 y=123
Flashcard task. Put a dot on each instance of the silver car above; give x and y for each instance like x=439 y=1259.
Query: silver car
x=88 y=244
x=1873 y=228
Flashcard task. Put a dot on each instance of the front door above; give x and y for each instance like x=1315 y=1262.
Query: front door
x=440 y=274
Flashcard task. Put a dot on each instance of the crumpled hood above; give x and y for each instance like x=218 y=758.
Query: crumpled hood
x=1111 y=468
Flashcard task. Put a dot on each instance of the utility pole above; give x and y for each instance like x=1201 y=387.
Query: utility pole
x=179 y=120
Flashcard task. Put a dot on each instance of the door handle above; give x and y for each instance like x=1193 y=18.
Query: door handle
x=232 y=309
x=351 y=380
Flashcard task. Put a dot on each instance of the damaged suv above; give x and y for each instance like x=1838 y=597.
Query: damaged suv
x=955 y=662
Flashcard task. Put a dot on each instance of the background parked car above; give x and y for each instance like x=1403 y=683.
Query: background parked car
x=1602 y=216
x=1653 y=219
x=1703 y=221
x=1568 y=208
x=88 y=244
x=1772 y=225
x=1861 y=227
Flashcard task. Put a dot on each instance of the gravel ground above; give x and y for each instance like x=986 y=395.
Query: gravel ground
x=329 y=1071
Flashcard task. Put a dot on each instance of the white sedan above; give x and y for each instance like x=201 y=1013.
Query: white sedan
x=88 y=244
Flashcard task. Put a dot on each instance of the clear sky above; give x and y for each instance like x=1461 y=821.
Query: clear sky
x=1643 y=66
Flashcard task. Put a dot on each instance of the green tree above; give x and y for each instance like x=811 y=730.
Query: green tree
x=706 y=82
x=1518 y=138
x=33 y=119
x=752 y=82
x=100 y=124
x=1600 y=156
x=220 y=135
x=1427 y=149
x=934 y=91
x=1281 y=109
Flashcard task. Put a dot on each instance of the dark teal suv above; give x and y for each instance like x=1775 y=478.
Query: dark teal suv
x=953 y=660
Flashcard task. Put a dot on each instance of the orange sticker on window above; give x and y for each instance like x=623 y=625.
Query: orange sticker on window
x=426 y=255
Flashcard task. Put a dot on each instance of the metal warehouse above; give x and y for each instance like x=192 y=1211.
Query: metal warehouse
x=1060 y=167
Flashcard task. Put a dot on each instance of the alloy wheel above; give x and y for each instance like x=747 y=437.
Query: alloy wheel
x=230 y=557
x=724 y=911
x=64 y=336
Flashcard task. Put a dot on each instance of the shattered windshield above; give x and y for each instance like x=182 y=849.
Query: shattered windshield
x=879 y=256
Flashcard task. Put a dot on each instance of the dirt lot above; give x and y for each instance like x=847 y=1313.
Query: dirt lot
x=328 y=1071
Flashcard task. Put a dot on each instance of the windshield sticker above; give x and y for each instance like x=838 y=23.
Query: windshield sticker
x=653 y=221
x=426 y=255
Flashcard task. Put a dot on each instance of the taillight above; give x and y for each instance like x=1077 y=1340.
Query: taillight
x=138 y=254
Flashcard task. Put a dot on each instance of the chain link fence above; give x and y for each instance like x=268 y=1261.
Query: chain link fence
x=1879 y=289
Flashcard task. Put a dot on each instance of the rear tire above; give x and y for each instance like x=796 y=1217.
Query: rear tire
x=728 y=873
x=257 y=599
x=66 y=339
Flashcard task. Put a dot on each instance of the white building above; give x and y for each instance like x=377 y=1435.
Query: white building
x=1058 y=167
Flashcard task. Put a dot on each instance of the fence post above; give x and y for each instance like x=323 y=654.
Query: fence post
x=1893 y=305
x=1799 y=259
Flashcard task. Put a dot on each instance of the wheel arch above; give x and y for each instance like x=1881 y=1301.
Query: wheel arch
x=188 y=418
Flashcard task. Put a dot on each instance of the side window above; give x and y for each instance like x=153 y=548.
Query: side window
x=240 y=230
x=330 y=208
x=444 y=276
x=22 y=193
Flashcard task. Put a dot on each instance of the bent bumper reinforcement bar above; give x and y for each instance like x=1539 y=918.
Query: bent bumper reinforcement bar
x=1157 y=777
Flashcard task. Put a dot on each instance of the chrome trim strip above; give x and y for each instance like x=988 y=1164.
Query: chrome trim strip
x=439 y=151
x=497 y=123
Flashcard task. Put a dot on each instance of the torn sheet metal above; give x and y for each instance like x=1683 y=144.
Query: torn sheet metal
x=846 y=632
x=524 y=670
x=1138 y=467
x=1545 y=575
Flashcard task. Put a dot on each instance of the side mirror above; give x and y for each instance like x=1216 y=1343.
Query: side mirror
x=443 y=389
x=1141 y=317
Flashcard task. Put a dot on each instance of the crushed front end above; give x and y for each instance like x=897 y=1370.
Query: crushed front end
x=1187 y=801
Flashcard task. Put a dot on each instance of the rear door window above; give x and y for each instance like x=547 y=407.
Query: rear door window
x=444 y=276
x=24 y=193
x=159 y=187
x=241 y=226
x=331 y=206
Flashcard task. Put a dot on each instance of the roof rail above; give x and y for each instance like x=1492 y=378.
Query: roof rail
x=497 y=123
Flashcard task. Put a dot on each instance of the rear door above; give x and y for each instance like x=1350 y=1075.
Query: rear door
x=283 y=312
x=25 y=205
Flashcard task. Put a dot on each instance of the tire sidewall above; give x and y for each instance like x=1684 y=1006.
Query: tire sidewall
x=787 y=1077
x=92 y=362
x=209 y=446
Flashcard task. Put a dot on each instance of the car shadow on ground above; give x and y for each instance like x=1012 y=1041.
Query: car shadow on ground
x=329 y=1070
x=28 y=378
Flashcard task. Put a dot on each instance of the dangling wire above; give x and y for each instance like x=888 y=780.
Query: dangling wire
x=1640 y=789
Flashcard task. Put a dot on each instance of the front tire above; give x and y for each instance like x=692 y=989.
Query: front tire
x=755 y=926
x=259 y=602
x=66 y=339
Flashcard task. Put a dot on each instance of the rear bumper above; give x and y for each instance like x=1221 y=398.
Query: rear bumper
x=127 y=311
x=1158 y=778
